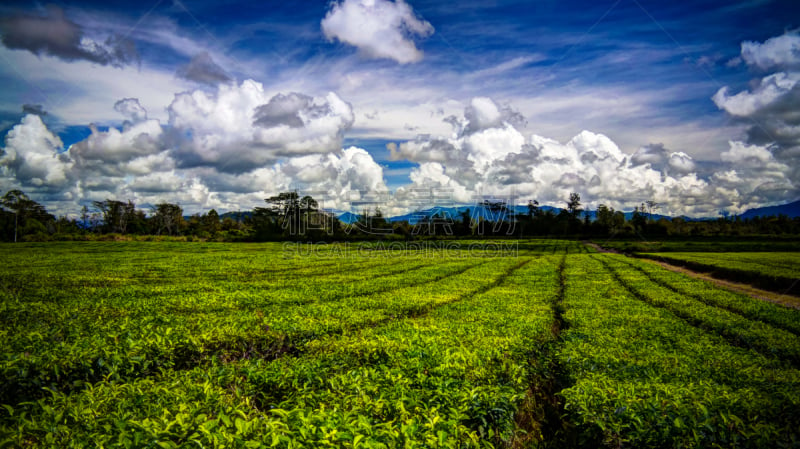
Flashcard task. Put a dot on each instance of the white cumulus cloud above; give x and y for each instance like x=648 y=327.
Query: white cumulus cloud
x=275 y=143
x=771 y=90
x=239 y=127
x=378 y=28
x=32 y=155
x=488 y=154
x=770 y=110
x=775 y=53
x=135 y=140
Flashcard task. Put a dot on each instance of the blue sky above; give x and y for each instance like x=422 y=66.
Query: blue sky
x=691 y=104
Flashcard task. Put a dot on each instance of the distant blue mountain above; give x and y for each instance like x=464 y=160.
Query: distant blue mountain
x=791 y=210
x=347 y=217
x=454 y=213
x=449 y=213
x=480 y=211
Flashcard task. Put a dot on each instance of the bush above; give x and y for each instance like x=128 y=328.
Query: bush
x=37 y=237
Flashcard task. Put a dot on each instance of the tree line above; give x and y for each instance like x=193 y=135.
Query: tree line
x=289 y=216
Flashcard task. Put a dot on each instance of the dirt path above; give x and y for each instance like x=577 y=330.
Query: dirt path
x=599 y=248
x=777 y=298
x=763 y=295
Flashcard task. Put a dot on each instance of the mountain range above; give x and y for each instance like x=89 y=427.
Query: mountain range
x=791 y=210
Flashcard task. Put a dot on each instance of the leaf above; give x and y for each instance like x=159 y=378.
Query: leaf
x=241 y=425
x=280 y=412
x=210 y=424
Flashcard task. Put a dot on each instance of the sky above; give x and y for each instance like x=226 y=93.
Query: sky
x=402 y=104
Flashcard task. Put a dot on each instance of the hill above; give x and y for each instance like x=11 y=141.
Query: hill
x=791 y=210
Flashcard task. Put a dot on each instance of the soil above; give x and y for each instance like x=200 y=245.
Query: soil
x=600 y=249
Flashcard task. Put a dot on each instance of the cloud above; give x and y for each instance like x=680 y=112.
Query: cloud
x=771 y=108
x=654 y=154
x=740 y=153
x=233 y=146
x=286 y=110
x=378 y=28
x=86 y=92
x=487 y=154
x=53 y=34
x=660 y=158
x=484 y=147
x=681 y=162
x=485 y=132
x=499 y=69
x=779 y=52
x=240 y=126
x=424 y=148
x=752 y=176
x=105 y=152
x=483 y=113
x=336 y=179
x=32 y=155
x=131 y=109
x=111 y=147
x=275 y=143
x=202 y=69
x=35 y=109
x=347 y=170
x=773 y=93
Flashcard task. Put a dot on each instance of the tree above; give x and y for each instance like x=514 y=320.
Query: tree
x=466 y=222
x=652 y=206
x=638 y=218
x=618 y=222
x=501 y=216
x=210 y=222
x=286 y=205
x=295 y=216
x=14 y=200
x=572 y=213
x=84 y=218
x=315 y=224
x=116 y=214
x=167 y=217
x=533 y=208
x=25 y=210
x=308 y=204
x=574 y=204
x=605 y=216
x=378 y=222
x=265 y=223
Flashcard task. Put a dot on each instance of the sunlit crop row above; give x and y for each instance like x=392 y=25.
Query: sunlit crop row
x=543 y=344
x=645 y=376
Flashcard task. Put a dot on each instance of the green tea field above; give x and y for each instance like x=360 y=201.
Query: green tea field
x=537 y=343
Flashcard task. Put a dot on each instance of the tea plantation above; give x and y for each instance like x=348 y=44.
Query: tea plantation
x=537 y=343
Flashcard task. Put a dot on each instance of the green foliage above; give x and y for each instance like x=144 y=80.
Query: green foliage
x=704 y=245
x=775 y=265
x=771 y=271
x=174 y=344
x=648 y=371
